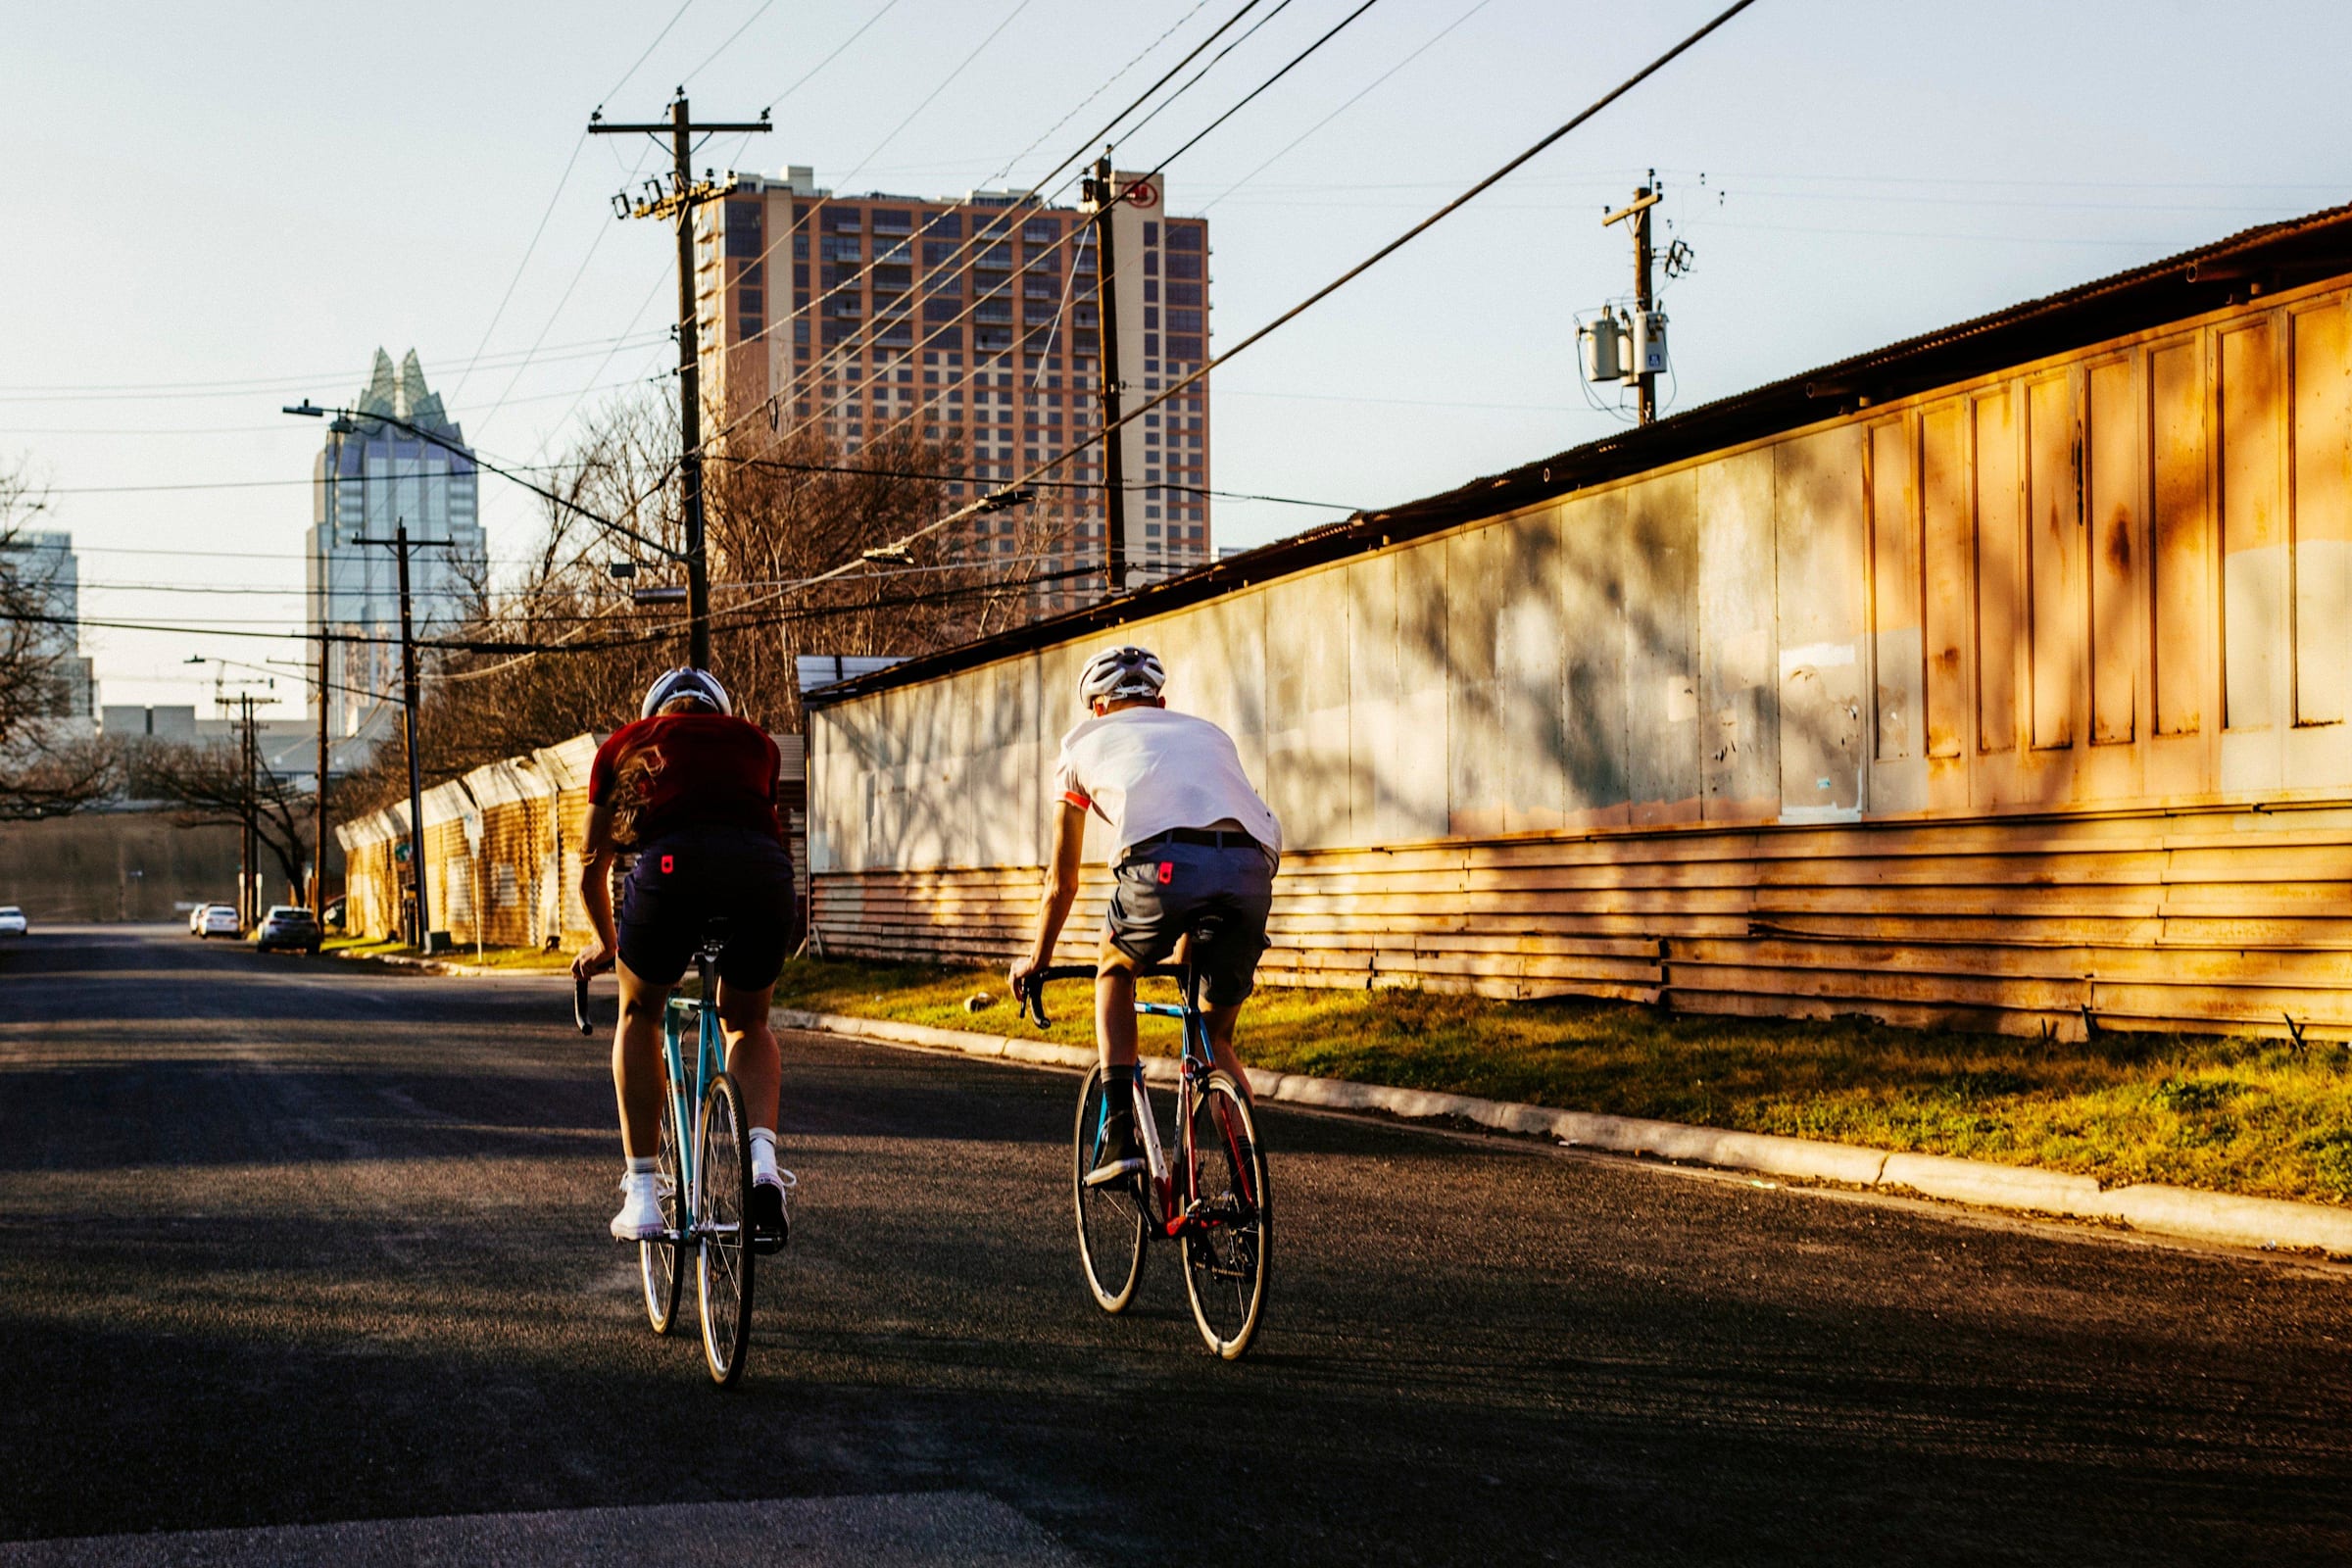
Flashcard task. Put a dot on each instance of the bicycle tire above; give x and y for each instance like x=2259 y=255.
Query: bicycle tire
x=1112 y=1220
x=722 y=1261
x=661 y=1265
x=1229 y=1237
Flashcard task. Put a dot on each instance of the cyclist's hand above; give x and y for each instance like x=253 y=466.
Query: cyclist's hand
x=594 y=958
x=1019 y=972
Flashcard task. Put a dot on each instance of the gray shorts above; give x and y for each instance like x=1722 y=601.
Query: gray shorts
x=1165 y=889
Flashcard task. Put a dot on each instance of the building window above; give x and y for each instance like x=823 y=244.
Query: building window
x=1184 y=320
x=893 y=220
x=743 y=228
x=1182 y=266
x=1186 y=236
x=938 y=252
x=1151 y=234
x=1184 y=294
x=1185 y=347
x=842 y=220
x=947 y=224
x=1041 y=231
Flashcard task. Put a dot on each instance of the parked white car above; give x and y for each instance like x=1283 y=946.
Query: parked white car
x=219 y=920
x=12 y=921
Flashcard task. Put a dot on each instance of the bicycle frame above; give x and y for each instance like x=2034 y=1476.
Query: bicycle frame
x=681 y=1097
x=1194 y=1064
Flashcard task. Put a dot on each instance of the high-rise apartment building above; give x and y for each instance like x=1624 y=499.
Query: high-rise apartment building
x=42 y=564
x=971 y=322
x=371 y=478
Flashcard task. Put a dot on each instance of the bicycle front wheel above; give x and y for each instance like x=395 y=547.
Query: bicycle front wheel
x=662 y=1264
x=1229 y=1226
x=724 y=1260
x=1113 y=1218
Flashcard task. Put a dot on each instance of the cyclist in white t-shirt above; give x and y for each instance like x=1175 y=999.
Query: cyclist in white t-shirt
x=1190 y=837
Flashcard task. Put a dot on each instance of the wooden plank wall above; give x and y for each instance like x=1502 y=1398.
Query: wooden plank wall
x=2019 y=703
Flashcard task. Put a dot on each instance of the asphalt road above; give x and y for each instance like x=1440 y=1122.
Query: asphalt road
x=293 y=1243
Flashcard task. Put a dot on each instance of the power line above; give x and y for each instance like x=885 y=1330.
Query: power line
x=1181 y=384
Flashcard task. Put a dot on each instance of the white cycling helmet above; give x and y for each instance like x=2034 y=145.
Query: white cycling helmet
x=685 y=681
x=1117 y=674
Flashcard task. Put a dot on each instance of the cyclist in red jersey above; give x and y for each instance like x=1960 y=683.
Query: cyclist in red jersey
x=691 y=790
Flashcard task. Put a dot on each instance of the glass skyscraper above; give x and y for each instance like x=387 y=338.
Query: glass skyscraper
x=371 y=478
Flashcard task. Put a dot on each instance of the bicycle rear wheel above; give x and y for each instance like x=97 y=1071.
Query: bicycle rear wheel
x=722 y=1261
x=1112 y=1220
x=1229 y=1237
x=662 y=1264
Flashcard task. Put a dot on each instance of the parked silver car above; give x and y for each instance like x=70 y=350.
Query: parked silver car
x=219 y=920
x=12 y=921
x=288 y=925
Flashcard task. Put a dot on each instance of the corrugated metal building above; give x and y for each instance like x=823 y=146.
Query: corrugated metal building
x=1996 y=678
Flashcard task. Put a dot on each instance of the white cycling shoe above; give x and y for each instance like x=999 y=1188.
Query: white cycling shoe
x=640 y=1216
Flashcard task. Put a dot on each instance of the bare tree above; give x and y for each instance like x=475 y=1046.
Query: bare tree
x=43 y=772
x=206 y=784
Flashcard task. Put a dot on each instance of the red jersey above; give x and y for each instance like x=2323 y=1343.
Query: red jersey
x=679 y=770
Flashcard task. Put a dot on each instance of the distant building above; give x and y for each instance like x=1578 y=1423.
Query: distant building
x=44 y=562
x=974 y=321
x=371 y=477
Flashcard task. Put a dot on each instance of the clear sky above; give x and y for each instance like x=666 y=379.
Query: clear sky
x=217 y=209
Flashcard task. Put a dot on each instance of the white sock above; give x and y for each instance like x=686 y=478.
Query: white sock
x=641 y=1170
x=763 y=1151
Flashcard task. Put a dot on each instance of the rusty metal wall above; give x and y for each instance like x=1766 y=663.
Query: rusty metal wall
x=2015 y=698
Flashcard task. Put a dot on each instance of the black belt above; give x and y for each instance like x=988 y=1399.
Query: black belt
x=1215 y=838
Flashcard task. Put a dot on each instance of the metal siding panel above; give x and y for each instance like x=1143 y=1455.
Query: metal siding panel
x=2054 y=542
x=2253 y=528
x=1999 y=588
x=1821 y=570
x=2117 y=548
x=1531 y=652
x=1375 y=731
x=1946 y=573
x=2183 y=548
x=1895 y=590
x=1474 y=783
x=1594 y=761
x=1306 y=706
x=2323 y=512
x=1661 y=651
x=1738 y=714
x=1416 y=784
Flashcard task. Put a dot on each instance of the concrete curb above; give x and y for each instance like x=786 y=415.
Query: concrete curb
x=2260 y=1222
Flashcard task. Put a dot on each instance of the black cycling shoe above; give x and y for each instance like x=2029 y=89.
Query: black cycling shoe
x=770 y=1226
x=1121 y=1154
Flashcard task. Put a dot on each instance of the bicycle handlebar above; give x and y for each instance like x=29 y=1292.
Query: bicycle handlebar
x=579 y=1005
x=1031 y=1000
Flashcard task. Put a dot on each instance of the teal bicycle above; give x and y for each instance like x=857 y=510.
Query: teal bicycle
x=704 y=1182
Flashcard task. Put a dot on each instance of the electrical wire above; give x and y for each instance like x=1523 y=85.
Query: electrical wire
x=1179 y=385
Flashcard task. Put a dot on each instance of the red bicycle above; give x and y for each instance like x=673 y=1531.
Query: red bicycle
x=1209 y=1194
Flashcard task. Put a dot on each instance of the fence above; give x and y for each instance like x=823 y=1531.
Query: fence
x=502 y=851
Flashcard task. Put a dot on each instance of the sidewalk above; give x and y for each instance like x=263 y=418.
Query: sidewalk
x=2214 y=1217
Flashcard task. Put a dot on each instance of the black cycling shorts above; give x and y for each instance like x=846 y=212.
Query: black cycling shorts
x=1165 y=889
x=693 y=876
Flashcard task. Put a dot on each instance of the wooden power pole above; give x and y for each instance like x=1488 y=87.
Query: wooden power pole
x=1646 y=380
x=685 y=194
x=1104 y=199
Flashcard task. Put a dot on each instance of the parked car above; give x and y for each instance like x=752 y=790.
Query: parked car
x=12 y=921
x=288 y=925
x=219 y=920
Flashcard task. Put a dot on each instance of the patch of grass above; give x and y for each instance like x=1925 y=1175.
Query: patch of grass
x=2232 y=1114
x=521 y=961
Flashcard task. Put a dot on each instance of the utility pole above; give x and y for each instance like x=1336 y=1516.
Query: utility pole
x=1647 y=326
x=319 y=857
x=399 y=542
x=685 y=194
x=1104 y=200
x=248 y=863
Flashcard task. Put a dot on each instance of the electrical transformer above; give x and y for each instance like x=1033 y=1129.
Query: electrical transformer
x=1605 y=348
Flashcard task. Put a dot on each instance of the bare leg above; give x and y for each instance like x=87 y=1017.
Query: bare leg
x=1114 y=1007
x=1220 y=1022
x=637 y=1072
x=752 y=1054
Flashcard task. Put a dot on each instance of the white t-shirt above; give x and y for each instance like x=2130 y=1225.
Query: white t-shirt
x=1145 y=770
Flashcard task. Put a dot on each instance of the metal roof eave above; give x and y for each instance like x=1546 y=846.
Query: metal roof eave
x=2267 y=258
